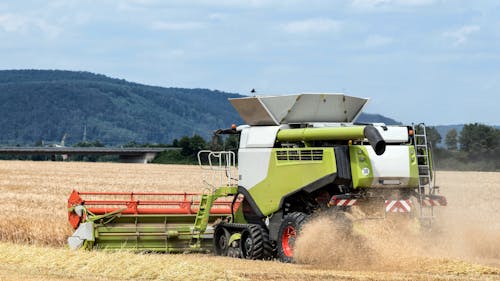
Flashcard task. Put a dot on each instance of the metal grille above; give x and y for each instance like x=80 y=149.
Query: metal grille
x=300 y=155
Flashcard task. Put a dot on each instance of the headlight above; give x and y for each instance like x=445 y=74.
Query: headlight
x=365 y=171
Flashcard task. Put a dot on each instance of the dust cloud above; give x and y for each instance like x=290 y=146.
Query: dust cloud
x=371 y=244
x=468 y=229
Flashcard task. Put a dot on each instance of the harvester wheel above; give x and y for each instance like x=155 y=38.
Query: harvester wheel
x=221 y=240
x=255 y=243
x=289 y=230
x=234 y=252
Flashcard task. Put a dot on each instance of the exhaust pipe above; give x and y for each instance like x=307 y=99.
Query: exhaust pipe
x=375 y=138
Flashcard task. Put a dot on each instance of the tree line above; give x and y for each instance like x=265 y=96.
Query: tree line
x=475 y=147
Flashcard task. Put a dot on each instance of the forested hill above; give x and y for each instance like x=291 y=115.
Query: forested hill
x=43 y=105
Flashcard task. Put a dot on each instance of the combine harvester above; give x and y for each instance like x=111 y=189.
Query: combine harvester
x=299 y=155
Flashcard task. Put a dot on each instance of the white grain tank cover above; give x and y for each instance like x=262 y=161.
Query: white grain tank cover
x=299 y=108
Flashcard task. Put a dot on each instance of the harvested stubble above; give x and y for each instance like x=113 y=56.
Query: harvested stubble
x=24 y=261
x=33 y=228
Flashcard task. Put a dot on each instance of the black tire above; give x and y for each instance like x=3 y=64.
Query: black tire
x=269 y=249
x=289 y=230
x=254 y=243
x=221 y=240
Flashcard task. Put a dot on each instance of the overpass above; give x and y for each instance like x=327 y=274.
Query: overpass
x=127 y=155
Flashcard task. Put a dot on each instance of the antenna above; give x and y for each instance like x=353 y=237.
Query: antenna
x=84 y=133
x=63 y=140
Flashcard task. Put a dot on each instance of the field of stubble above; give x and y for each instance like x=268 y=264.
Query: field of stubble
x=33 y=230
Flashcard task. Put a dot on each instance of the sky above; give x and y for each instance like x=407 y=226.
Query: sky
x=431 y=61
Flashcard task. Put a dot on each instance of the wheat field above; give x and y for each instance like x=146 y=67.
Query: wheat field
x=33 y=230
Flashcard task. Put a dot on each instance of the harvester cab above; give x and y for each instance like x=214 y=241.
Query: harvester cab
x=298 y=155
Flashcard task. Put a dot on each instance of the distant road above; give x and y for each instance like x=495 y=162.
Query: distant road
x=82 y=150
x=132 y=154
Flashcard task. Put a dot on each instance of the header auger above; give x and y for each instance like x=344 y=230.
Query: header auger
x=298 y=155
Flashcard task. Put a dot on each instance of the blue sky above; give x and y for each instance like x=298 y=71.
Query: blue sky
x=418 y=60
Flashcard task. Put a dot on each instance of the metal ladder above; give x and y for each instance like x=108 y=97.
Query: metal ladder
x=425 y=183
x=201 y=221
x=219 y=163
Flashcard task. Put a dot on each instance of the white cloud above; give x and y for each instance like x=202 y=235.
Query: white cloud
x=49 y=30
x=371 y=4
x=160 y=4
x=16 y=23
x=233 y=3
x=461 y=35
x=377 y=41
x=312 y=25
x=217 y=16
x=12 y=23
x=175 y=26
x=162 y=55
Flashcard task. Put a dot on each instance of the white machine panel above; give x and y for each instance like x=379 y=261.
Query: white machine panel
x=393 y=134
x=391 y=169
x=261 y=136
x=253 y=165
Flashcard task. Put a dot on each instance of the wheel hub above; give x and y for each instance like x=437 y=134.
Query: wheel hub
x=288 y=240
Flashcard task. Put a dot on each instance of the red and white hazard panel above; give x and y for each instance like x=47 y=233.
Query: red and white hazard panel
x=342 y=202
x=392 y=206
x=434 y=202
x=398 y=206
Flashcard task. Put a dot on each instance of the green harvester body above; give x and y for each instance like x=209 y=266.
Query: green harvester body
x=298 y=155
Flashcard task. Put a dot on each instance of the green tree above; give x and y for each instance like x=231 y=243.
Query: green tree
x=451 y=140
x=185 y=144
x=172 y=157
x=187 y=154
x=480 y=141
x=132 y=144
x=38 y=143
x=175 y=143
x=197 y=144
x=433 y=135
x=96 y=143
x=88 y=158
x=191 y=145
x=232 y=142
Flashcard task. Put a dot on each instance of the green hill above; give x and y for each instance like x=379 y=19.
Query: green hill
x=43 y=105
x=376 y=118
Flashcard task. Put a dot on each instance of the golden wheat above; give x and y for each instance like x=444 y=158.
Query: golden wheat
x=24 y=262
x=33 y=228
x=33 y=195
